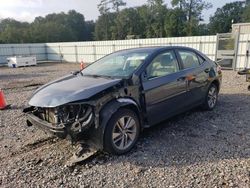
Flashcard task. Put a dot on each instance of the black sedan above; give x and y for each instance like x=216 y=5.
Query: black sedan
x=114 y=98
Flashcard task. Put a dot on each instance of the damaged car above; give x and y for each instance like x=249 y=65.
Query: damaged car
x=113 y=99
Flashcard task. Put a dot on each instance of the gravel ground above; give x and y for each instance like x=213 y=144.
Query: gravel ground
x=194 y=149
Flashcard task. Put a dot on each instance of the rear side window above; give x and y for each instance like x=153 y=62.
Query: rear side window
x=189 y=59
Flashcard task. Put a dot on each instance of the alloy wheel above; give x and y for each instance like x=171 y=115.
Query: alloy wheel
x=124 y=132
x=212 y=97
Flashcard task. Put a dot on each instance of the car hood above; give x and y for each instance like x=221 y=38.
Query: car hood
x=69 y=89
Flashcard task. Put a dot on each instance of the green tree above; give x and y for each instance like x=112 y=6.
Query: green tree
x=89 y=30
x=246 y=12
x=76 y=22
x=106 y=21
x=203 y=29
x=127 y=22
x=12 y=31
x=103 y=26
x=158 y=11
x=175 y=23
x=51 y=28
x=116 y=4
x=146 y=21
x=58 y=28
x=193 y=10
x=222 y=20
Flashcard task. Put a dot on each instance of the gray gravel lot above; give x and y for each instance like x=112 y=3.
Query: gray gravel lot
x=194 y=149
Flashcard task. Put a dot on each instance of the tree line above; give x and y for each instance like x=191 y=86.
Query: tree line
x=117 y=22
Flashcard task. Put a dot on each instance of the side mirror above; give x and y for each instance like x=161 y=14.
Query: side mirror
x=76 y=72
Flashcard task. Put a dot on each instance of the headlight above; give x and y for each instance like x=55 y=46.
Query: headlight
x=78 y=115
x=48 y=114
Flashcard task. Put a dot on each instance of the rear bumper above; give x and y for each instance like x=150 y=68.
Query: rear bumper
x=44 y=125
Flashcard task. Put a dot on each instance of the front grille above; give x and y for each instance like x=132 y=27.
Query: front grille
x=66 y=115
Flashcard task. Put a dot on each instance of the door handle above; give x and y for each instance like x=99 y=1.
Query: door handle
x=181 y=78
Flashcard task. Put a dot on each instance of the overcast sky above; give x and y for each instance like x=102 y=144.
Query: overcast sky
x=27 y=10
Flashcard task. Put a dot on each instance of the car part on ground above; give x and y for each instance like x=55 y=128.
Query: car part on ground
x=83 y=152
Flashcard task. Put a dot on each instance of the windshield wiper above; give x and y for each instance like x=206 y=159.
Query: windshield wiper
x=97 y=76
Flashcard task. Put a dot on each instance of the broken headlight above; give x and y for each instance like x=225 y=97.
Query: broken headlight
x=79 y=116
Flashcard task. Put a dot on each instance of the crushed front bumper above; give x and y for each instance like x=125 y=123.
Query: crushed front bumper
x=74 y=127
x=48 y=127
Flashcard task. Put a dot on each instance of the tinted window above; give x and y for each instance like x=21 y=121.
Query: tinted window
x=164 y=64
x=189 y=59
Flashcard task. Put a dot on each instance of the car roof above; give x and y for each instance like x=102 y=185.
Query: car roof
x=155 y=48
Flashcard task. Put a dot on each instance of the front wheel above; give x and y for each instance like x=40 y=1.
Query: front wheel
x=122 y=132
x=211 y=98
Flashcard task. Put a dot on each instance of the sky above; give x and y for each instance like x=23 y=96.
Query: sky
x=27 y=10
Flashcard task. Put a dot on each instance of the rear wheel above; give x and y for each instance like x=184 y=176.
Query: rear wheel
x=211 y=98
x=122 y=132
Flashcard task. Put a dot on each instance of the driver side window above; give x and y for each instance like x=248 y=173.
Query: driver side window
x=162 y=65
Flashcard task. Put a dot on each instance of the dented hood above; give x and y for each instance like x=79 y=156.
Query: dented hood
x=69 y=89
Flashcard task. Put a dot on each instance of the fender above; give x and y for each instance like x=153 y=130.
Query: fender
x=106 y=113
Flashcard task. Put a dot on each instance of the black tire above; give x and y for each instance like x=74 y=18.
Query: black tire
x=208 y=105
x=112 y=128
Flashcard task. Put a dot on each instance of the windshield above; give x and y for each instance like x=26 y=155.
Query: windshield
x=119 y=64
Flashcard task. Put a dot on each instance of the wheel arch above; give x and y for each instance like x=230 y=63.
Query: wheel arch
x=216 y=83
x=108 y=110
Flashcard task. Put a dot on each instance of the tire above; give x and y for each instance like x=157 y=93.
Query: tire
x=211 y=98
x=119 y=139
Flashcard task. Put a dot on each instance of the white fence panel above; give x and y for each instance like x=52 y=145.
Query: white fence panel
x=91 y=51
x=242 y=60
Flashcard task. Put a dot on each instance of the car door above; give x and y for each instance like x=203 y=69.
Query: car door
x=164 y=87
x=196 y=75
